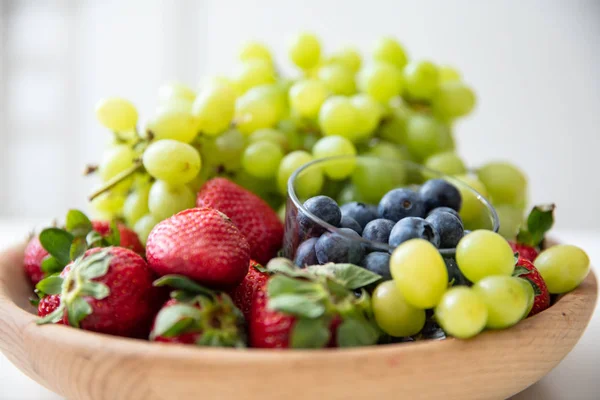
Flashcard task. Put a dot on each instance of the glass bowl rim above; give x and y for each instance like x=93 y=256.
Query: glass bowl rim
x=383 y=246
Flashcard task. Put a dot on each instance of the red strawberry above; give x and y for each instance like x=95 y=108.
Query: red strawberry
x=243 y=293
x=48 y=304
x=529 y=239
x=526 y=270
x=253 y=216
x=129 y=239
x=305 y=309
x=196 y=315
x=202 y=244
x=34 y=255
x=108 y=290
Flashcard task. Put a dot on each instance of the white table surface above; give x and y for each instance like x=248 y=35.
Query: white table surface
x=577 y=377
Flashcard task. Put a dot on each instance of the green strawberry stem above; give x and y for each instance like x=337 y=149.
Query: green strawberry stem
x=137 y=165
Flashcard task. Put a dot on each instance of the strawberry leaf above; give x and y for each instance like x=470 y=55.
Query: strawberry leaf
x=96 y=290
x=349 y=275
x=50 y=285
x=284 y=266
x=95 y=265
x=539 y=221
x=298 y=305
x=51 y=265
x=520 y=271
x=174 y=320
x=53 y=317
x=354 y=332
x=536 y=289
x=77 y=223
x=114 y=237
x=93 y=239
x=77 y=310
x=309 y=334
x=78 y=247
x=281 y=285
x=183 y=283
x=57 y=242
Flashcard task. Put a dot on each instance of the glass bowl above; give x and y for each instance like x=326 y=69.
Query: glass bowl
x=366 y=180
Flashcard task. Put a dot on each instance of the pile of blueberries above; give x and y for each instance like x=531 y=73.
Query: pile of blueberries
x=429 y=213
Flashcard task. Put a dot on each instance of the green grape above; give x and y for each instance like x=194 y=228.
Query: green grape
x=144 y=226
x=308 y=184
x=338 y=117
x=530 y=295
x=176 y=104
x=374 y=177
x=421 y=80
x=253 y=73
x=166 y=199
x=309 y=140
x=347 y=57
x=196 y=184
x=305 y=50
x=264 y=188
x=175 y=90
x=136 y=205
x=270 y=135
x=394 y=315
x=511 y=218
x=256 y=109
x=225 y=150
x=386 y=151
x=448 y=163
x=381 y=81
x=505 y=183
x=388 y=50
x=281 y=213
x=337 y=79
x=423 y=134
x=332 y=146
x=214 y=108
x=506 y=300
x=172 y=161
x=461 y=312
x=471 y=207
x=219 y=80
x=255 y=50
x=348 y=194
x=368 y=115
x=563 y=267
x=117 y=114
x=393 y=127
x=448 y=74
x=419 y=272
x=108 y=205
x=446 y=140
x=484 y=253
x=174 y=124
x=307 y=96
x=115 y=160
x=453 y=99
x=261 y=159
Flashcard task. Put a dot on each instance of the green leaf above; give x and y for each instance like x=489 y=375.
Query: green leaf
x=355 y=332
x=77 y=310
x=536 y=289
x=57 y=242
x=93 y=239
x=174 y=320
x=50 y=285
x=95 y=265
x=281 y=285
x=310 y=334
x=182 y=296
x=350 y=275
x=539 y=221
x=96 y=290
x=183 y=283
x=519 y=271
x=34 y=300
x=51 y=265
x=284 y=266
x=114 y=237
x=78 y=247
x=336 y=288
x=298 y=305
x=54 y=317
x=77 y=223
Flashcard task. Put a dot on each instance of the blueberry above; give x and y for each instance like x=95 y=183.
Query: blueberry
x=448 y=226
x=401 y=203
x=440 y=193
x=413 y=228
x=444 y=209
x=378 y=262
x=454 y=274
x=350 y=223
x=332 y=247
x=362 y=213
x=325 y=208
x=378 y=230
x=305 y=253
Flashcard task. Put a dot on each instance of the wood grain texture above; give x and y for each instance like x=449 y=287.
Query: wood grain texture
x=88 y=366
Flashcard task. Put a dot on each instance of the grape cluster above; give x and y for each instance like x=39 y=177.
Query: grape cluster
x=257 y=127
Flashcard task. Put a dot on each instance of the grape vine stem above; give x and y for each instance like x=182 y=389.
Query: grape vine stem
x=116 y=179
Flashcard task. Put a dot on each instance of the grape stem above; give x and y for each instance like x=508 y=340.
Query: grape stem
x=137 y=165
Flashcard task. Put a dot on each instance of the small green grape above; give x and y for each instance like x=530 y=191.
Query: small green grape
x=305 y=50
x=388 y=50
x=117 y=114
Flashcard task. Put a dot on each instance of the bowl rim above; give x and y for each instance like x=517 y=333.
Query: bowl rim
x=382 y=246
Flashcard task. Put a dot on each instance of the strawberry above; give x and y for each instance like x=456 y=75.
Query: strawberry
x=202 y=244
x=128 y=238
x=313 y=308
x=48 y=304
x=252 y=215
x=530 y=238
x=32 y=261
x=107 y=290
x=243 y=294
x=526 y=270
x=196 y=315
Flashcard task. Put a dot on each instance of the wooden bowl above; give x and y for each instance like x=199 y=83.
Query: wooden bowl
x=85 y=365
